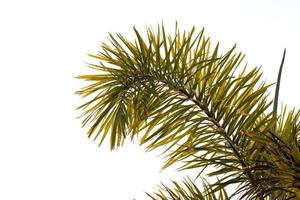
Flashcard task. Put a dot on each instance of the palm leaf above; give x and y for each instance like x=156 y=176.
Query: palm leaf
x=180 y=93
x=188 y=191
x=279 y=165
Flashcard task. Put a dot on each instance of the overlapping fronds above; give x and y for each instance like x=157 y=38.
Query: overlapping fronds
x=178 y=92
x=279 y=166
x=188 y=191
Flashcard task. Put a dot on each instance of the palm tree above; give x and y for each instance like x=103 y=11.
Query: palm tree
x=205 y=109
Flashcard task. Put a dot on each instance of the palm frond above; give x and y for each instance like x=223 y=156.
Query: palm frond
x=178 y=92
x=188 y=190
x=279 y=166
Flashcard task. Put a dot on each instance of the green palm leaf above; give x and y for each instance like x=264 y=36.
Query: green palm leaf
x=188 y=191
x=178 y=92
x=279 y=166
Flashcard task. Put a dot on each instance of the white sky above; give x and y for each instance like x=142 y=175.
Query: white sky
x=44 y=152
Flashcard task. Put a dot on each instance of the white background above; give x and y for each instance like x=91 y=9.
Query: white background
x=44 y=152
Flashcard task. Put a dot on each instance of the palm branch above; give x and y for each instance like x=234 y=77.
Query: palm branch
x=188 y=191
x=178 y=92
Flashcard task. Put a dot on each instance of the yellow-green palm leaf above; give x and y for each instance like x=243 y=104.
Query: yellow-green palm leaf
x=177 y=91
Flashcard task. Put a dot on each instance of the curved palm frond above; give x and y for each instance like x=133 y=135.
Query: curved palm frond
x=178 y=92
